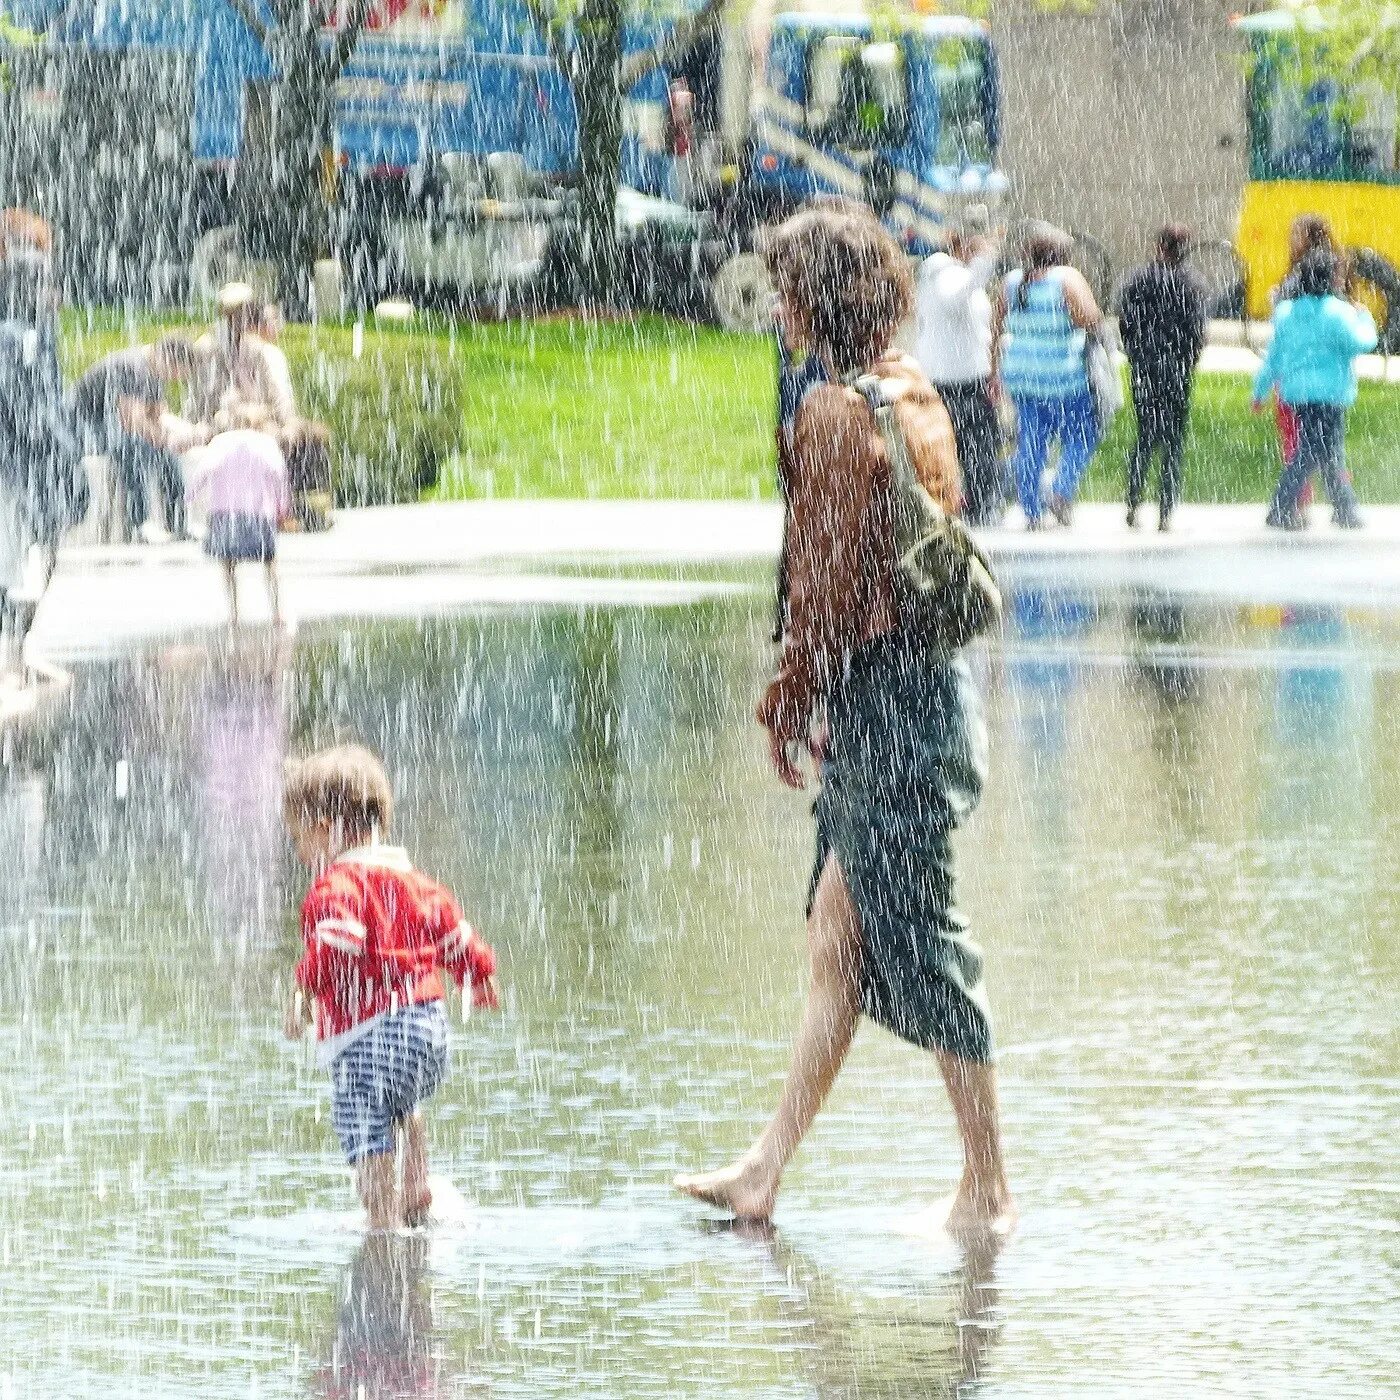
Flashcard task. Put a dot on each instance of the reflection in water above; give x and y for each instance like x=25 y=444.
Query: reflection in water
x=1322 y=710
x=242 y=739
x=1160 y=634
x=1042 y=683
x=1186 y=887
x=1156 y=623
x=895 y=1343
x=24 y=800
x=382 y=1348
x=594 y=787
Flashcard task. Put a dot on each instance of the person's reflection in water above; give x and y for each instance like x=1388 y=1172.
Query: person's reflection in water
x=1322 y=753
x=24 y=807
x=383 y=1343
x=1158 y=623
x=1159 y=631
x=243 y=742
x=934 y=1345
x=1042 y=678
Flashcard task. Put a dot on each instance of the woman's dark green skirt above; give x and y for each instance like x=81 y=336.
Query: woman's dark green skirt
x=905 y=761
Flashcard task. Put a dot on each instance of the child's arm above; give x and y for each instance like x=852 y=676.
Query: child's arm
x=465 y=954
x=1267 y=377
x=300 y=1014
x=1360 y=329
x=203 y=472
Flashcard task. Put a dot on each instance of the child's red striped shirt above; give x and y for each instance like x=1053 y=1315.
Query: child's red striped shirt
x=378 y=933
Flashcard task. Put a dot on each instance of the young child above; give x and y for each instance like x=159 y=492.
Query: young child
x=378 y=935
x=244 y=475
x=1311 y=361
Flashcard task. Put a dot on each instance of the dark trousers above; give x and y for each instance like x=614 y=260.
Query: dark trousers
x=1162 y=404
x=977 y=431
x=1322 y=449
x=138 y=462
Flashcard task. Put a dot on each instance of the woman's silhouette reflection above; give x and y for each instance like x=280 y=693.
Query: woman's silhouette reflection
x=931 y=1343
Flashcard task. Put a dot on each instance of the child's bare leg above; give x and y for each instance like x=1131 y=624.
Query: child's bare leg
x=417 y=1194
x=750 y=1186
x=231 y=591
x=374 y=1180
x=274 y=597
x=983 y=1201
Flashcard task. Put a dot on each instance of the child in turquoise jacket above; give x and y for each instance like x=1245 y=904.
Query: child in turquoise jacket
x=1312 y=363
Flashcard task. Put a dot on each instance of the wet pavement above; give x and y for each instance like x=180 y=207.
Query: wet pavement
x=1183 y=873
x=440 y=557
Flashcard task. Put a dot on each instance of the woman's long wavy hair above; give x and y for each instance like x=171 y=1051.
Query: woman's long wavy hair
x=846 y=278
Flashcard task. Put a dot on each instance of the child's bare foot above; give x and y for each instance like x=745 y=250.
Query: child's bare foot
x=416 y=1211
x=748 y=1188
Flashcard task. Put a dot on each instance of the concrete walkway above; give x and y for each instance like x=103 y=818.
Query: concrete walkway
x=420 y=559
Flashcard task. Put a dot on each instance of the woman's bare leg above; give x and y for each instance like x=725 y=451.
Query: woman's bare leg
x=417 y=1195
x=750 y=1186
x=374 y=1180
x=983 y=1201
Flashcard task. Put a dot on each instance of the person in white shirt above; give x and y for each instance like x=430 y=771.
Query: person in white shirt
x=953 y=316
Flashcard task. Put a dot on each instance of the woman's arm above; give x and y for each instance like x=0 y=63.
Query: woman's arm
x=1079 y=300
x=833 y=465
x=998 y=329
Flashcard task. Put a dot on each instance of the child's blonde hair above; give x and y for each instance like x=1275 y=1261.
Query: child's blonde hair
x=346 y=784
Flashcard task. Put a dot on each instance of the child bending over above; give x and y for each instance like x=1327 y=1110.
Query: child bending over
x=378 y=936
x=244 y=475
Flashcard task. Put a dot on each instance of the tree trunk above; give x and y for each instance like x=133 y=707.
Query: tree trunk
x=596 y=68
x=284 y=211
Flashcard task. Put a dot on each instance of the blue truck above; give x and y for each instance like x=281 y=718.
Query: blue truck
x=455 y=136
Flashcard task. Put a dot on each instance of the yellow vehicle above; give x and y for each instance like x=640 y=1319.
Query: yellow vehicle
x=1318 y=146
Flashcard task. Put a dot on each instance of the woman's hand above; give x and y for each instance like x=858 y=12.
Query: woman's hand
x=781 y=751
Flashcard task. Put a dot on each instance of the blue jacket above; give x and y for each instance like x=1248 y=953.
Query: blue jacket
x=1312 y=357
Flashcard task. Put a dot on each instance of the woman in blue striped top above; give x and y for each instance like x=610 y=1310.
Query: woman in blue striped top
x=1045 y=311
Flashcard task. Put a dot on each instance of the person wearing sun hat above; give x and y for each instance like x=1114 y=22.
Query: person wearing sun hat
x=241 y=365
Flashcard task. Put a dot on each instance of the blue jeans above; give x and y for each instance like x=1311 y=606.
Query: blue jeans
x=1075 y=423
x=1322 y=449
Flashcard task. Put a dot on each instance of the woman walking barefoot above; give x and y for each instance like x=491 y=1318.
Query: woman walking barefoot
x=894 y=723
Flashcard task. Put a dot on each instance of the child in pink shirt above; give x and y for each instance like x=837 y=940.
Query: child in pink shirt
x=244 y=476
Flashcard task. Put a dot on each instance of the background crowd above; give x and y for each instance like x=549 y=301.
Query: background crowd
x=1020 y=357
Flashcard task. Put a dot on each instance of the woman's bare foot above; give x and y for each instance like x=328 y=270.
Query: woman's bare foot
x=976 y=1212
x=747 y=1189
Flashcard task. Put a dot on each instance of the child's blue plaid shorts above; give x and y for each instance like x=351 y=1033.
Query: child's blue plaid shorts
x=382 y=1077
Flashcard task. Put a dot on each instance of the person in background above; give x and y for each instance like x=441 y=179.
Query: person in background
x=1309 y=233
x=953 y=315
x=121 y=403
x=1162 y=322
x=42 y=489
x=244 y=478
x=1042 y=317
x=1311 y=363
x=243 y=364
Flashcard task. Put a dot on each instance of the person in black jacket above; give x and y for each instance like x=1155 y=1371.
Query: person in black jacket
x=1162 y=321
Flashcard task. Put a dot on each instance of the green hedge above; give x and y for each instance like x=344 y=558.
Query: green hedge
x=396 y=413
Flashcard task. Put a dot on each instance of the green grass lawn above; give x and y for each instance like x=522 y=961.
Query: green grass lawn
x=1232 y=455
x=653 y=408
